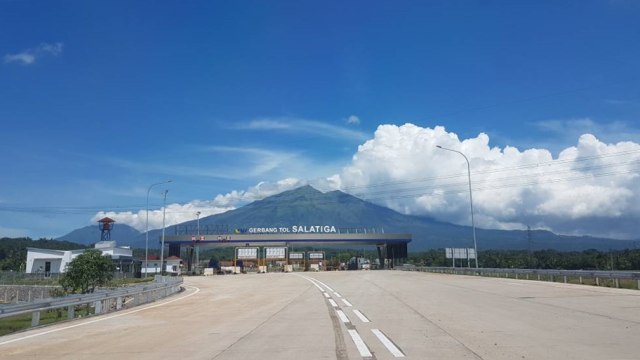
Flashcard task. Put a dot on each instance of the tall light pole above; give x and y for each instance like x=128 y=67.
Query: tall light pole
x=164 y=211
x=146 y=245
x=473 y=225
x=198 y=239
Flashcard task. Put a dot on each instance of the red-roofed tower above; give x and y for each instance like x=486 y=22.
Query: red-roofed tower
x=106 y=224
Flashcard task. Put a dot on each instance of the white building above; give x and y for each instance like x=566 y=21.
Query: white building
x=173 y=265
x=151 y=266
x=48 y=261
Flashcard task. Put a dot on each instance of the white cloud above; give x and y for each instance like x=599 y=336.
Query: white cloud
x=591 y=188
x=318 y=128
x=29 y=56
x=242 y=162
x=570 y=129
x=402 y=168
x=353 y=120
x=179 y=213
x=23 y=58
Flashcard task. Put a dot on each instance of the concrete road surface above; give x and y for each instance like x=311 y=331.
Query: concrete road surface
x=353 y=315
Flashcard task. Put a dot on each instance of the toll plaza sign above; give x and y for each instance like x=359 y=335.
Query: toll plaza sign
x=317 y=255
x=247 y=253
x=460 y=253
x=296 y=256
x=275 y=252
x=295 y=229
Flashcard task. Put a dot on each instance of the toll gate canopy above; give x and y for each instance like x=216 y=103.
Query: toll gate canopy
x=392 y=247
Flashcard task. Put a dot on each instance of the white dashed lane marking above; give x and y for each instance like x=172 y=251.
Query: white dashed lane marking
x=355 y=336
x=342 y=316
x=361 y=316
x=393 y=349
x=362 y=347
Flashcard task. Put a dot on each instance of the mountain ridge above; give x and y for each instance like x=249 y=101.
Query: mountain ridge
x=307 y=205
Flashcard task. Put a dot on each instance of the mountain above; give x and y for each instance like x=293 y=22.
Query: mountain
x=307 y=206
x=123 y=234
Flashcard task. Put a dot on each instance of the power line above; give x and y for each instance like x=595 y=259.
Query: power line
x=400 y=193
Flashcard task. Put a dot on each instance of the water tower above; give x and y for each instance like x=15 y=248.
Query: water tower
x=106 y=224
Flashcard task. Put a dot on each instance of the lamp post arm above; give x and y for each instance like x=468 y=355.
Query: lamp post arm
x=473 y=225
x=146 y=230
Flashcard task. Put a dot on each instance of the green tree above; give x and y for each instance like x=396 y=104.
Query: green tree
x=87 y=271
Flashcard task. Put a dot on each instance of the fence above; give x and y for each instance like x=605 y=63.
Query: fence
x=579 y=276
x=99 y=302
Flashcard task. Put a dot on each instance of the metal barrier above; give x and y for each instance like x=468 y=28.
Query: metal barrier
x=101 y=301
x=536 y=274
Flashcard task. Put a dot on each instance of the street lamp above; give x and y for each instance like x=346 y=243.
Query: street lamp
x=198 y=239
x=146 y=245
x=164 y=211
x=473 y=226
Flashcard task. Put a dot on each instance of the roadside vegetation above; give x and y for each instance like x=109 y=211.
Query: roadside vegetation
x=13 y=251
x=623 y=260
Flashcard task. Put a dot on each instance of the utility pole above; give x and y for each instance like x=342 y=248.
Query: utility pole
x=197 y=247
x=529 y=242
x=164 y=209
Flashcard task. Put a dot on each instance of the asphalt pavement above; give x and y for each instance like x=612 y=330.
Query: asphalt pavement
x=353 y=315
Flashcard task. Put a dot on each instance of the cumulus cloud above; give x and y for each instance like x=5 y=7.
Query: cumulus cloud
x=570 y=129
x=179 y=213
x=29 y=56
x=402 y=168
x=591 y=188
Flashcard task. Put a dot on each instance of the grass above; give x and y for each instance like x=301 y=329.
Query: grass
x=17 y=323
x=129 y=281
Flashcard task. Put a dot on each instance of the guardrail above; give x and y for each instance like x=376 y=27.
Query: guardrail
x=565 y=276
x=102 y=301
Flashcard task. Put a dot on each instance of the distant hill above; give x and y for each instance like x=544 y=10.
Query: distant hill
x=308 y=206
x=123 y=234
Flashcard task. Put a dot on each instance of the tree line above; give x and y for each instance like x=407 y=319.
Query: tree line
x=13 y=251
x=628 y=259
x=13 y=256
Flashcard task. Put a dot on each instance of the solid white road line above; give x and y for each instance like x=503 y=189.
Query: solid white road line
x=314 y=283
x=342 y=316
x=361 y=316
x=387 y=343
x=325 y=285
x=101 y=318
x=362 y=347
x=333 y=303
x=346 y=302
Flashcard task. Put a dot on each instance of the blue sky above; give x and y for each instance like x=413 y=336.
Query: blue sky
x=98 y=100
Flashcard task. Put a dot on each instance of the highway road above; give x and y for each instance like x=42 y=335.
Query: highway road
x=353 y=315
